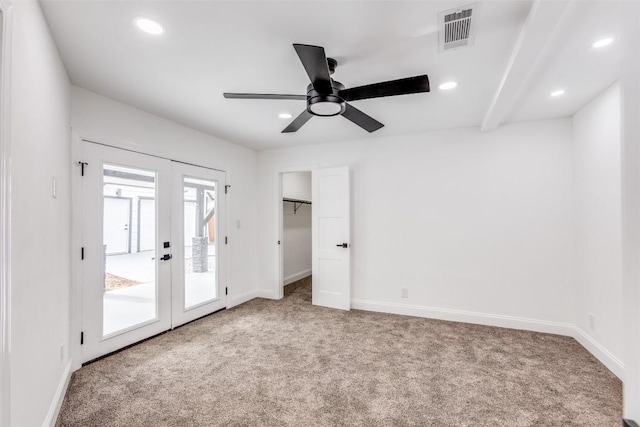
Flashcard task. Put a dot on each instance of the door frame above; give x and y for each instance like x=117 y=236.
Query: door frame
x=5 y=211
x=77 y=136
x=278 y=286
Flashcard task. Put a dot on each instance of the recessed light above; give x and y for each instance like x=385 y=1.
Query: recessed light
x=149 y=26
x=285 y=115
x=558 y=92
x=603 y=42
x=447 y=85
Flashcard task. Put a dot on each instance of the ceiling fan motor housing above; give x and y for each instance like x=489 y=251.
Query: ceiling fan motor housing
x=326 y=97
x=326 y=105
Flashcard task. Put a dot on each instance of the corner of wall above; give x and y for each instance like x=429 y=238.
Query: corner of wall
x=58 y=397
x=607 y=358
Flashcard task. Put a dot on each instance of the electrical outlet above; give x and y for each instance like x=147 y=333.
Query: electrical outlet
x=404 y=293
x=61 y=352
x=592 y=321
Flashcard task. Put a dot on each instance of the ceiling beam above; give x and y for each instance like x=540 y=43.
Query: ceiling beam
x=532 y=44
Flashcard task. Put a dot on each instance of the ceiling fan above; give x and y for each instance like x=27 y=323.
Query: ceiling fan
x=327 y=97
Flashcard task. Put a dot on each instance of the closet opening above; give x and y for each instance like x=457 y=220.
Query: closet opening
x=296 y=240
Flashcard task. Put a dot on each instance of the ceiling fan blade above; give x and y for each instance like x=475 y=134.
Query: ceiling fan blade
x=298 y=122
x=314 y=61
x=263 y=96
x=405 y=86
x=366 y=122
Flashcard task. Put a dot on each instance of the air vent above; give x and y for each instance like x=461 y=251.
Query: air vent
x=456 y=27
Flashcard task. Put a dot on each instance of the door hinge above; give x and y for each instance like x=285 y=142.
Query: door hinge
x=81 y=338
x=82 y=252
x=226 y=240
x=226 y=291
x=82 y=165
x=226 y=188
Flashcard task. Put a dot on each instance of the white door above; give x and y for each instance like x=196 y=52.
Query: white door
x=126 y=297
x=116 y=231
x=331 y=232
x=198 y=240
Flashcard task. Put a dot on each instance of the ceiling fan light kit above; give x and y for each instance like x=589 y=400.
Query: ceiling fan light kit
x=320 y=104
x=327 y=97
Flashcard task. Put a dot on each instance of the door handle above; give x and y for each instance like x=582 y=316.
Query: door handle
x=343 y=245
x=166 y=257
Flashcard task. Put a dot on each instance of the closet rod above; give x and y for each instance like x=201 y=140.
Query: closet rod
x=297 y=204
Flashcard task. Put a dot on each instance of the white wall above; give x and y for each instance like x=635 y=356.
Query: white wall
x=630 y=90
x=296 y=185
x=598 y=222
x=40 y=149
x=296 y=227
x=470 y=223
x=115 y=122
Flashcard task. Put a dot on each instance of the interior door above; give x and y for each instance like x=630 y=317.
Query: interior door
x=198 y=279
x=331 y=232
x=126 y=297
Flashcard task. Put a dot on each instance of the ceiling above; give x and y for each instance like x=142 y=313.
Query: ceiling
x=211 y=47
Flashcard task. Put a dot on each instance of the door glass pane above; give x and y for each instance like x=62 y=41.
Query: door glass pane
x=129 y=244
x=200 y=284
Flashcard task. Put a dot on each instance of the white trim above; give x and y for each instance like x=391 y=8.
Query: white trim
x=75 y=349
x=630 y=158
x=123 y=144
x=5 y=214
x=248 y=296
x=297 y=276
x=612 y=363
x=607 y=358
x=58 y=398
x=242 y=298
x=279 y=280
x=453 y=315
x=265 y=293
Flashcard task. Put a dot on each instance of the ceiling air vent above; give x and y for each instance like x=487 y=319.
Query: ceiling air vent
x=457 y=27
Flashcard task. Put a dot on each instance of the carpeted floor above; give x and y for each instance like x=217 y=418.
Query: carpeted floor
x=292 y=287
x=288 y=363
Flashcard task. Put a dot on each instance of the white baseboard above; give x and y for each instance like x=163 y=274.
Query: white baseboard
x=248 y=296
x=295 y=277
x=265 y=293
x=614 y=364
x=242 y=298
x=58 y=398
x=498 y=320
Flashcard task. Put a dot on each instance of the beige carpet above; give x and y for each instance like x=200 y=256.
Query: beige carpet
x=288 y=363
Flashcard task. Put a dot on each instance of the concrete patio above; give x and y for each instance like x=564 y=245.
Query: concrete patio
x=129 y=306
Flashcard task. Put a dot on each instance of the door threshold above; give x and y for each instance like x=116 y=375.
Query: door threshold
x=104 y=356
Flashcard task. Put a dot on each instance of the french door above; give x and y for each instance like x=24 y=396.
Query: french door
x=151 y=247
x=197 y=224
